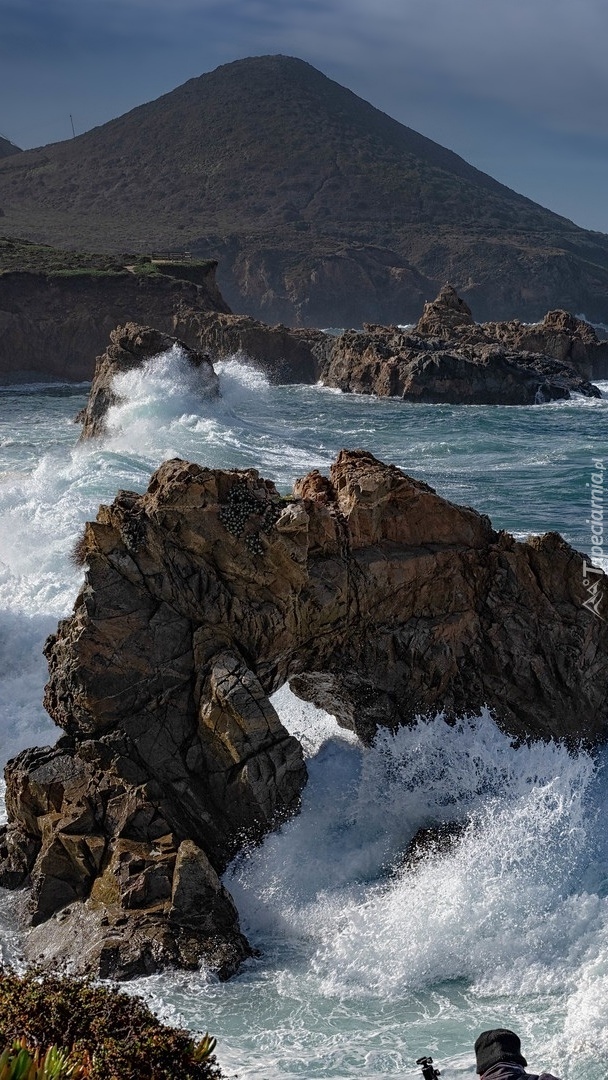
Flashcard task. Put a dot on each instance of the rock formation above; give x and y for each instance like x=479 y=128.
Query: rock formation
x=446 y=358
x=560 y=335
x=450 y=358
x=446 y=316
x=283 y=354
x=130 y=347
x=367 y=592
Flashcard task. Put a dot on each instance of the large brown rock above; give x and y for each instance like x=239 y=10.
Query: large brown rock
x=367 y=592
x=560 y=335
x=445 y=315
x=283 y=354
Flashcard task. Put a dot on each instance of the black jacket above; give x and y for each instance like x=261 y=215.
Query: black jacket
x=503 y=1071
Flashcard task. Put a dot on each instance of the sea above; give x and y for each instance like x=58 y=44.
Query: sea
x=364 y=965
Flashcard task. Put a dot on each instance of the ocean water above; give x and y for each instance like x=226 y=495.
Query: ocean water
x=365 y=966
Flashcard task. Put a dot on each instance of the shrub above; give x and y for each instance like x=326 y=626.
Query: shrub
x=102 y=1034
x=78 y=556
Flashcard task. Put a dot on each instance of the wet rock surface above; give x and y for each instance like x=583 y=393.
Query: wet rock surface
x=130 y=347
x=446 y=358
x=284 y=355
x=371 y=595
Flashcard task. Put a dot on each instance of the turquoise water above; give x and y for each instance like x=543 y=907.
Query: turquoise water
x=363 y=967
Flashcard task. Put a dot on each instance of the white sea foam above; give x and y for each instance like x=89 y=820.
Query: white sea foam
x=367 y=961
x=469 y=914
x=365 y=965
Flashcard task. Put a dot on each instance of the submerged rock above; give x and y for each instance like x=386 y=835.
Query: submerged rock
x=367 y=592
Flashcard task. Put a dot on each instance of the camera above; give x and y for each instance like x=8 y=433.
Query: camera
x=429 y=1072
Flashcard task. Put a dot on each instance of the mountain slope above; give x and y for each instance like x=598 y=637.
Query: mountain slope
x=318 y=206
x=8 y=148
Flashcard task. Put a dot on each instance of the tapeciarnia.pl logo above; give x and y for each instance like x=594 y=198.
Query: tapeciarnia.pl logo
x=593 y=575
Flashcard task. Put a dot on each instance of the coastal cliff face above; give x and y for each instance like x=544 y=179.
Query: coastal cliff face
x=367 y=592
x=54 y=325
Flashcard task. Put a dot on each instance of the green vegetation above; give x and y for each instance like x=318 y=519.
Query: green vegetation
x=42 y=259
x=25 y=257
x=169 y=265
x=57 y=1028
x=144 y=267
x=18 y=1063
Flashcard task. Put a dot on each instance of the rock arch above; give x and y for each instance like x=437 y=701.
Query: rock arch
x=372 y=596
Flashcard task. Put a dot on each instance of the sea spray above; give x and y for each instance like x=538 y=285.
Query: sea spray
x=366 y=962
x=364 y=965
x=333 y=874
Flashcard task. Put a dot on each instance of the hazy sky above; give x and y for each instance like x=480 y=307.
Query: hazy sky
x=517 y=87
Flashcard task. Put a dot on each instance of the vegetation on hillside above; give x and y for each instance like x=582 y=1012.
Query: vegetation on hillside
x=298 y=186
x=263 y=146
x=23 y=255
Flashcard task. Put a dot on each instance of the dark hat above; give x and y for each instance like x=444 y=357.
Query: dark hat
x=498 y=1045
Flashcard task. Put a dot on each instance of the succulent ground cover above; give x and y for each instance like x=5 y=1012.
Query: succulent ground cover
x=57 y=1028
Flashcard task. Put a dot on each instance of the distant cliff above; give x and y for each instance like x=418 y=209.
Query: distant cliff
x=55 y=324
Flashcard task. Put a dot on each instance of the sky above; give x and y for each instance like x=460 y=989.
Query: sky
x=519 y=88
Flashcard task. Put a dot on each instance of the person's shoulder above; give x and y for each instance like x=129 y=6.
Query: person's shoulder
x=547 y=1076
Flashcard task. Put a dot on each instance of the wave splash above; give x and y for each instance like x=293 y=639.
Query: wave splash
x=514 y=916
x=365 y=964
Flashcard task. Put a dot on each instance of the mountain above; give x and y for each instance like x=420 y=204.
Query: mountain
x=7 y=148
x=319 y=207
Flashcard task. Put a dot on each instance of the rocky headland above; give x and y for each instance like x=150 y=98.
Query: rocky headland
x=364 y=590
x=53 y=324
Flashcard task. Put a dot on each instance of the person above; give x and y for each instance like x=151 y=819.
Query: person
x=499 y=1057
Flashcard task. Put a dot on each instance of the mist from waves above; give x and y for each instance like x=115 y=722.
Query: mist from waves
x=363 y=965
